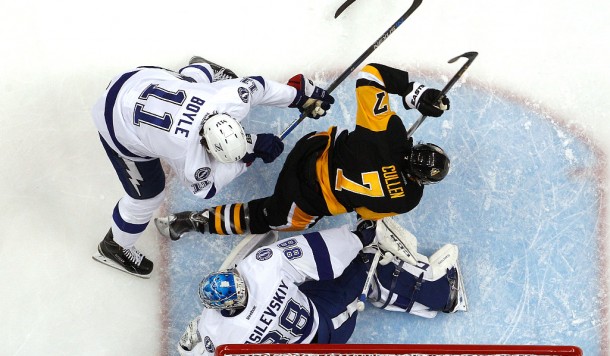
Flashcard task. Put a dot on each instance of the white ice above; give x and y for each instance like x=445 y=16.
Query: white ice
x=58 y=188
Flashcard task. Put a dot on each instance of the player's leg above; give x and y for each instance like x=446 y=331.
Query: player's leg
x=205 y=71
x=336 y=301
x=294 y=205
x=144 y=184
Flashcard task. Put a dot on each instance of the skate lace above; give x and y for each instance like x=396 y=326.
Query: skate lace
x=221 y=75
x=133 y=255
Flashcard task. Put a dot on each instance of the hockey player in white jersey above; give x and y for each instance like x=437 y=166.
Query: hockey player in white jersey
x=305 y=289
x=191 y=120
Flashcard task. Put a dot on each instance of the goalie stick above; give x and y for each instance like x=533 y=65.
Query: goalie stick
x=358 y=61
x=407 y=253
x=369 y=279
x=470 y=57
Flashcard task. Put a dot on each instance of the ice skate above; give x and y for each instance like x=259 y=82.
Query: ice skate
x=457 y=295
x=127 y=260
x=220 y=72
x=177 y=225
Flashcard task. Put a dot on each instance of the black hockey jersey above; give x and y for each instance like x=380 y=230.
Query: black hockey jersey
x=362 y=170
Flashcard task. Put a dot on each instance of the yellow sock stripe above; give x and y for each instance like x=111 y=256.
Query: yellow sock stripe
x=218 y=220
x=237 y=218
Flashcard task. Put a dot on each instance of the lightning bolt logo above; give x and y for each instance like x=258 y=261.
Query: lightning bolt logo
x=134 y=175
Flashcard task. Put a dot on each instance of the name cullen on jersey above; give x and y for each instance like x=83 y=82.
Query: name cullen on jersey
x=393 y=182
x=269 y=314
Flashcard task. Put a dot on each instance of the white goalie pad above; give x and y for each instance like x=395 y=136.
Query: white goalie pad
x=441 y=261
x=398 y=241
x=248 y=244
x=445 y=258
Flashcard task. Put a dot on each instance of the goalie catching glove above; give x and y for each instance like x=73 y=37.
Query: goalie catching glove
x=310 y=98
x=422 y=98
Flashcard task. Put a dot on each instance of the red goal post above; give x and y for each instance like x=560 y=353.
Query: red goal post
x=392 y=349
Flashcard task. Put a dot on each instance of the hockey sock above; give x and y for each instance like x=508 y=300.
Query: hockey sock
x=230 y=219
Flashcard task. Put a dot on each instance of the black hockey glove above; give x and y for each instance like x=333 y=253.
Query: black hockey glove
x=309 y=94
x=365 y=230
x=264 y=146
x=422 y=98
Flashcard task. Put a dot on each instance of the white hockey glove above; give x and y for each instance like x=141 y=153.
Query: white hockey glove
x=422 y=98
x=190 y=342
x=396 y=240
x=309 y=94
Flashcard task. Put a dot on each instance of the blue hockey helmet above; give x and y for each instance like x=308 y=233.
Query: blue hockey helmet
x=223 y=290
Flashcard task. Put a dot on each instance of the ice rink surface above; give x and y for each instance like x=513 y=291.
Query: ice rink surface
x=526 y=200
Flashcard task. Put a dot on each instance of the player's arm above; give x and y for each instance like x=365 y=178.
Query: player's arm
x=299 y=92
x=376 y=81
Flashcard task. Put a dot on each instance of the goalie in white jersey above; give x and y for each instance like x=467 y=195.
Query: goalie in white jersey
x=190 y=120
x=306 y=289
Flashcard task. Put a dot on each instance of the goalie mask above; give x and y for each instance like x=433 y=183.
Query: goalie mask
x=224 y=138
x=427 y=163
x=223 y=290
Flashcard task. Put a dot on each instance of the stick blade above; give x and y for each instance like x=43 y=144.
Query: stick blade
x=343 y=7
x=470 y=55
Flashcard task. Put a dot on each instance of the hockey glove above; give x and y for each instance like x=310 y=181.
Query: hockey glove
x=310 y=98
x=264 y=146
x=190 y=343
x=422 y=98
x=365 y=230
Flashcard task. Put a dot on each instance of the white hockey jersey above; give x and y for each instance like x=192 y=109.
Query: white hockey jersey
x=151 y=112
x=277 y=311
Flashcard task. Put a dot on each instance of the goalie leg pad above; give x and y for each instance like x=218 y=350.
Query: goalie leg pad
x=443 y=260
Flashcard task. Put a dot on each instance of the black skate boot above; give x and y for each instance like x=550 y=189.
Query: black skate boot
x=126 y=260
x=176 y=225
x=457 y=300
x=220 y=72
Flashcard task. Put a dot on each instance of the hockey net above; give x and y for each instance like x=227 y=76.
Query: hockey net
x=392 y=350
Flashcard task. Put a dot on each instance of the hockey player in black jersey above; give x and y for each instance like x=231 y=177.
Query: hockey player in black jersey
x=374 y=170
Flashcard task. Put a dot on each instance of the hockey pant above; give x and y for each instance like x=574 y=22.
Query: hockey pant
x=144 y=184
x=296 y=203
x=336 y=302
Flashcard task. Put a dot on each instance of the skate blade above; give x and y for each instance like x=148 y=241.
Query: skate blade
x=109 y=262
x=162 y=225
x=462 y=303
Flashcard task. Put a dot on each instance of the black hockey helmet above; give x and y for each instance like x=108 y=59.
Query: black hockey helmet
x=427 y=163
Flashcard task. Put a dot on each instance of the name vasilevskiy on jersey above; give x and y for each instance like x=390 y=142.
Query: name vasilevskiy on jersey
x=270 y=312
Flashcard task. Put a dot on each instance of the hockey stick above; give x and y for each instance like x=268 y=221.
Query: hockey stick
x=343 y=7
x=470 y=57
x=358 y=61
x=369 y=279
